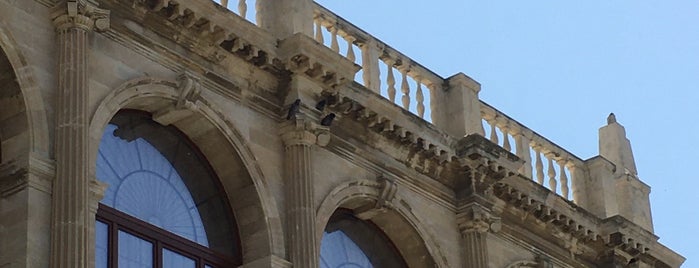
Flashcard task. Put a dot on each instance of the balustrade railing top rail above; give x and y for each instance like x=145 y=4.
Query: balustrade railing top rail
x=376 y=56
x=550 y=160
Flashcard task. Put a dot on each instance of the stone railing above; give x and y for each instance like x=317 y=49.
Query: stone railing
x=384 y=70
x=244 y=8
x=552 y=166
x=413 y=87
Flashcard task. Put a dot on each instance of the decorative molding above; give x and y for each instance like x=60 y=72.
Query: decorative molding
x=188 y=101
x=387 y=189
x=475 y=217
x=82 y=14
x=302 y=131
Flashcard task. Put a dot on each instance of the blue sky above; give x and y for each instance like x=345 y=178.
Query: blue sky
x=560 y=67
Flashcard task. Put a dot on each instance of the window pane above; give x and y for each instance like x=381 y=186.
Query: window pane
x=134 y=252
x=144 y=184
x=101 y=244
x=338 y=250
x=174 y=260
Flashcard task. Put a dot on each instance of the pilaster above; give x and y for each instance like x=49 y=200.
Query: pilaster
x=72 y=218
x=485 y=164
x=300 y=135
x=475 y=221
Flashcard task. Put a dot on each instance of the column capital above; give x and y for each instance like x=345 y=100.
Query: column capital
x=302 y=131
x=83 y=14
x=476 y=218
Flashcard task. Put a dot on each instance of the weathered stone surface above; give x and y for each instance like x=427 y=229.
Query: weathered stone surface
x=443 y=193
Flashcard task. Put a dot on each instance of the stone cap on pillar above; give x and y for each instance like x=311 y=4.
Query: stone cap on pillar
x=461 y=80
x=614 y=146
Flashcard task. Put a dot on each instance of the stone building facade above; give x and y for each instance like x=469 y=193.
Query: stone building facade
x=290 y=123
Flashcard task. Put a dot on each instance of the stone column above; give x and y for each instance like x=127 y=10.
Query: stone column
x=299 y=136
x=71 y=221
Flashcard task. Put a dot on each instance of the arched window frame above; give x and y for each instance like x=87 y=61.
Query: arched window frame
x=117 y=221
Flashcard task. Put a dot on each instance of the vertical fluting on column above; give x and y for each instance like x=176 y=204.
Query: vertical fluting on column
x=475 y=249
x=300 y=209
x=71 y=219
x=70 y=189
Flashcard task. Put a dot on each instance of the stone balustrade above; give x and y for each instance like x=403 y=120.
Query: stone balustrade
x=384 y=70
x=406 y=85
x=244 y=8
x=552 y=166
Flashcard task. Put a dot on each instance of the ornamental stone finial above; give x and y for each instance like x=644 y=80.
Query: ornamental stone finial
x=82 y=14
x=611 y=119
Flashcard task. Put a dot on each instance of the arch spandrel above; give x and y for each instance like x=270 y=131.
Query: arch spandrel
x=403 y=227
x=220 y=143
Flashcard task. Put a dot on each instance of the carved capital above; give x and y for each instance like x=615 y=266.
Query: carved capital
x=302 y=131
x=477 y=218
x=83 y=14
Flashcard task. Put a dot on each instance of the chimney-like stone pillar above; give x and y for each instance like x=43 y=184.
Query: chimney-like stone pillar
x=460 y=110
x=632 y=195
x=72 y=218
x=299 y=136
x=284 y=18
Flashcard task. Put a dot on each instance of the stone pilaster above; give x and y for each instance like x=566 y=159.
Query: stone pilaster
x=475 y=221
x=71 y=220
x=299 y=136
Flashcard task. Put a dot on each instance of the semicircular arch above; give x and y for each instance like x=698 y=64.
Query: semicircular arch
x=393 y=222
x=220 y=142
x=37 y=123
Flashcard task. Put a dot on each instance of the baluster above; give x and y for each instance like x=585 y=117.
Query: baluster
x=405 y=88
x=539 y=167
x=390 y=81
x=370 y=65
x=564 y=178
x=493 y=133
x=242 y=8
x=420 y=98
x=434 y=107
x=319 y=31
x=224 y=3
x=506 y=139
x=552 y=174
x=350 y=48
x=333 y=44
x=575 y=179
x=522 y=148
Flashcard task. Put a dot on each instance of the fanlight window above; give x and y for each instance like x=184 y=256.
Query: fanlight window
x=349 y=242
x=337 y=250
x=148 y=216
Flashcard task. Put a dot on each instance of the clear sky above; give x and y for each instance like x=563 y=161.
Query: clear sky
x=560 y=67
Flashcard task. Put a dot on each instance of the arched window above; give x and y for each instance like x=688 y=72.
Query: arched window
x=163 y=206
x=349 y=242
